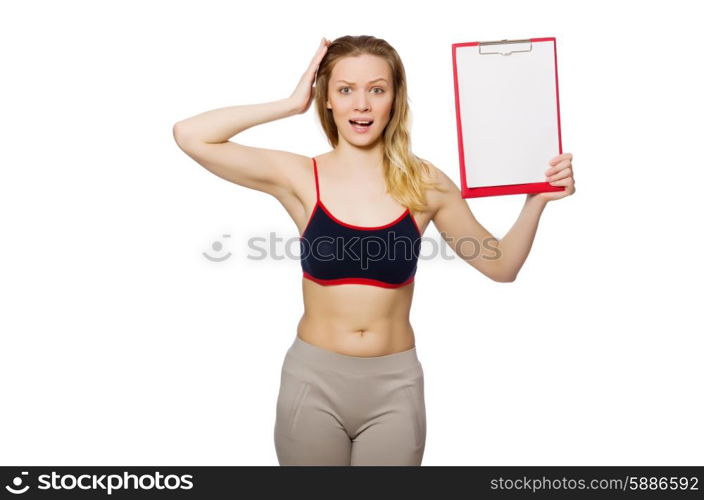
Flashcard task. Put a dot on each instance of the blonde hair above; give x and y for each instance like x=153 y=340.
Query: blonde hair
x=405 y=174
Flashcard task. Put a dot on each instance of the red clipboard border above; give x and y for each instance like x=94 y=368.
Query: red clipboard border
x=534 y=187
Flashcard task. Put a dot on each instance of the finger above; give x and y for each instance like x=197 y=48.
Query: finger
x=559 y=158
x=315 y=62
x=560 y=166
x=556 y=160
x=318 y=56
x=562 y=174
x=561 y=182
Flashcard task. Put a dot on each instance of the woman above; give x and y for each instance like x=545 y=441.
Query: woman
x=351 y=383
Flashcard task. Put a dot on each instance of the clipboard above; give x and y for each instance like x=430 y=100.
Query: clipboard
x=508 y=115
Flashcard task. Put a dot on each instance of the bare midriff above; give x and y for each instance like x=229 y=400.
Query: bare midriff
x=357 y=320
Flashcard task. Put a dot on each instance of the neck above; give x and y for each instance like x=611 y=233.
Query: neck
x=358 y=158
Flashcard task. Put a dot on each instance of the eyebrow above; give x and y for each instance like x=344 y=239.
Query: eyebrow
x=352 y=83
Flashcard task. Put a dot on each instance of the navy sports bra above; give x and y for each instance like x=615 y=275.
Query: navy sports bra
x=334 y=252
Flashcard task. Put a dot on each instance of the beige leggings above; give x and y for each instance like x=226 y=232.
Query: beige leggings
x=335 y=409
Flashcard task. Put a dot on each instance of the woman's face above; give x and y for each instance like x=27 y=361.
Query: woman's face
x=360 y=88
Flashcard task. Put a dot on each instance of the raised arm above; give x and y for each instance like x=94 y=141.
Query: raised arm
x=502 y=259
x=205 y=138
x=463 y=233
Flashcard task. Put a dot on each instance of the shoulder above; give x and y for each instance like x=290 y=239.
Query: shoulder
x=445 y=188
x=440 y=177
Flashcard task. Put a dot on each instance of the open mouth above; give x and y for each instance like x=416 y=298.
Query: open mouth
x=362 y=124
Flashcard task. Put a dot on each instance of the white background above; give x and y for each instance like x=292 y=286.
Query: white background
x=121 y=344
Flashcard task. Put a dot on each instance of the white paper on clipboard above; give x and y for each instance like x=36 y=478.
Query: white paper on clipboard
x=508 y=109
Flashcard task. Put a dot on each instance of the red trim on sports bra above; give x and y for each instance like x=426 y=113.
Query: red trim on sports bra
x=317 y=187
x=366 y=228
x=358 y=281
x=320 y=203
x=309 y=219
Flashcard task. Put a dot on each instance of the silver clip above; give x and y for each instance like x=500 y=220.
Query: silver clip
x=503 y=42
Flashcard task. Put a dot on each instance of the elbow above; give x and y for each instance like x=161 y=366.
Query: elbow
x=503 y=272
x=181 y=135
x=505 y=277
x=177 y=132
x=505 y=280
x=498 y=274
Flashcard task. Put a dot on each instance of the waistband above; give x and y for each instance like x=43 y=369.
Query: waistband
x=324 y=358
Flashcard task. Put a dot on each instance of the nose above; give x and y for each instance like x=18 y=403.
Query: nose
x=362 y=103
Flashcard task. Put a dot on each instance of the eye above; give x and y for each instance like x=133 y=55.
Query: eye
x=379 y=88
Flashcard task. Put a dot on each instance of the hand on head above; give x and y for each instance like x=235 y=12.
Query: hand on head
x=302 y=96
